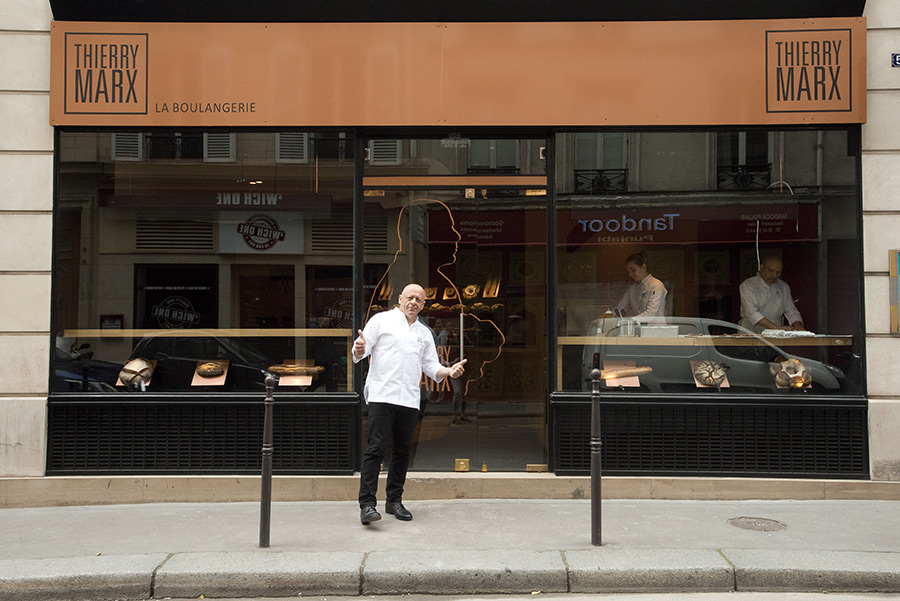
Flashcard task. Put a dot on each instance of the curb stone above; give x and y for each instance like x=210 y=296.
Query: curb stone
x=464 y=572
x=815 y=571
x=259 y=574
x=648 y=570
x=98 y=578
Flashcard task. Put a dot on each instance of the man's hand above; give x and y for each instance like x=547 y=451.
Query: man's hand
x=359 y=346
x=457 y=369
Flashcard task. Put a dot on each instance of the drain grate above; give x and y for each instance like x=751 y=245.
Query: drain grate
x=757 y=524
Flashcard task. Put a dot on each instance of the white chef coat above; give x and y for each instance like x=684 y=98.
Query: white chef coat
x=773 y=302
x=646 y=298
x=400 y=353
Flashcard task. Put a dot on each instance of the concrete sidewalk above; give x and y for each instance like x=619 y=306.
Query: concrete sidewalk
x=451 y=547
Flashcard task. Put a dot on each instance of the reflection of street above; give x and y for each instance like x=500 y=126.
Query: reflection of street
x=506 y=438
x=504 y=410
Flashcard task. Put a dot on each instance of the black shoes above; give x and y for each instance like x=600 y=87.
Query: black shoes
x=398 y=510
x=368 y=514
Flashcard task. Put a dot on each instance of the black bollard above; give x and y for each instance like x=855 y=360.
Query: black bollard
x=265 y=509
x=595 y=457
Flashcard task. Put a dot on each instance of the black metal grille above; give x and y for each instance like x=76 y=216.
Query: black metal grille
x=600 y=181
x=758 y=439
x=168 y=438
x=744 y=177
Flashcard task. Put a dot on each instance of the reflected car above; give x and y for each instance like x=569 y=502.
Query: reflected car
x=672 y=346
x=177 y=355
x=81 y=373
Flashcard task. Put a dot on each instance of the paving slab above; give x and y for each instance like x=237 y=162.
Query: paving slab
x=611 y=570
x=463 y=572
x=97 y=578
x=259 y=574
x=814 y=571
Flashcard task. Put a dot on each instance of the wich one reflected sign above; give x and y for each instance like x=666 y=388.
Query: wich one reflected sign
x=689 y=73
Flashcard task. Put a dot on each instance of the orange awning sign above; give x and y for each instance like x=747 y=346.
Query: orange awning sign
x=499 y=74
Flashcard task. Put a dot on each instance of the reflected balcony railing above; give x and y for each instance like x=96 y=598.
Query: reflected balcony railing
x=600 y=181
x=752 y=176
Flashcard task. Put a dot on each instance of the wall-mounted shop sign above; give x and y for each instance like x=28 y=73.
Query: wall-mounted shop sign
x=261 y=233
x=458 y=74
x=106 y=73
x=783 y=222
x=809 y=70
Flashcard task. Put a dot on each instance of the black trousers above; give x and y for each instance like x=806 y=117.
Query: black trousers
x=385 y=421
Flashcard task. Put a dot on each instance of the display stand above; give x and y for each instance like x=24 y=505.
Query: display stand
x=626 y=382
x=723 y=384
x=300 y=380
x=199 y=380
x=152 y=362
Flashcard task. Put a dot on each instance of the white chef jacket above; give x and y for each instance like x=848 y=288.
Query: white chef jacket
x=773 y=302
x=400 y=353
x=646 y=298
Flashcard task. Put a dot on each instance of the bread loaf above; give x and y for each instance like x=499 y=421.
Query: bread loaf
x=286 y=369
x=136 y=371
x=210 y=370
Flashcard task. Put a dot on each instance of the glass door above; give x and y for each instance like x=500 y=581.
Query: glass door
x=478 y=248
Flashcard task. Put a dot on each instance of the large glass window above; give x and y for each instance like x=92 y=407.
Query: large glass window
x=203 y=261
x=729 y=264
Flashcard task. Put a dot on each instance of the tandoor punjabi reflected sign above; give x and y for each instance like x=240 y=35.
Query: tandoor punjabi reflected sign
x=458 y=74
x=782 y=222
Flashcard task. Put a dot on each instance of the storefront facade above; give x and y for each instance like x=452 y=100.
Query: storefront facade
x=249 y=202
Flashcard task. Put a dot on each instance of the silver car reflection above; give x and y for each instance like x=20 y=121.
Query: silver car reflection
x=671 y=346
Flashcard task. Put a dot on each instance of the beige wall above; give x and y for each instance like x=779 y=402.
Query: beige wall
x=26 y=162
x=881 y=220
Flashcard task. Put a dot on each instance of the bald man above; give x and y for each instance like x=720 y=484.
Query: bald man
x=766 y=300
x=402 y=348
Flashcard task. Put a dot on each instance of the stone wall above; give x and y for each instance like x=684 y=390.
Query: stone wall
x=26 y=165
x=881 y=222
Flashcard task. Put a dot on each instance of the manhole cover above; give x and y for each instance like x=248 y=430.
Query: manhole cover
x=758 y=524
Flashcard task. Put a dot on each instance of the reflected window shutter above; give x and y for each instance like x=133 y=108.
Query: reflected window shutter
x=385 y=152
x=219 y=148
x=128 y=146
x=292 y=147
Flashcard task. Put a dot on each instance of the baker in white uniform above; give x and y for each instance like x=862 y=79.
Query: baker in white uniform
x=766 y=301
x=646 y=296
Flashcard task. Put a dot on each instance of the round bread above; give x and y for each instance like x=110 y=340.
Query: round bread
x=210 y=370
x=709 y=373
x=136 y=371
x=480 y=308
x=471 y=291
